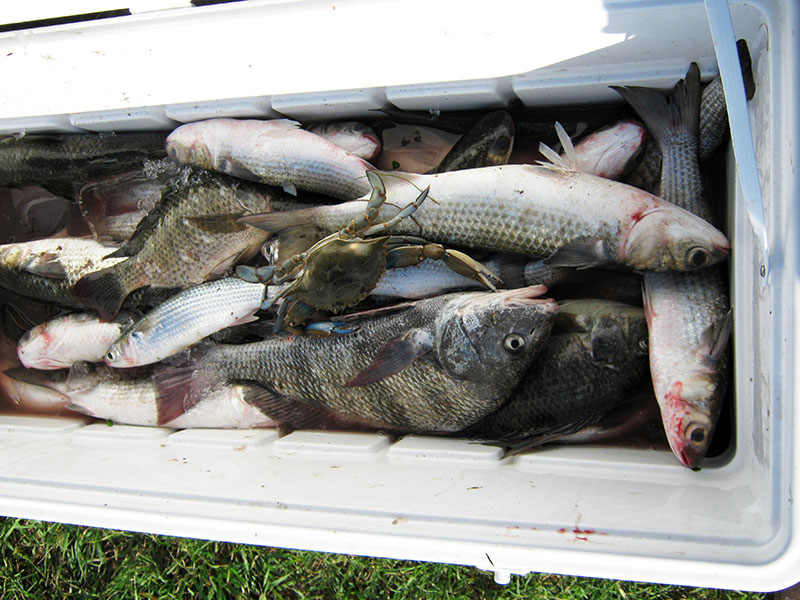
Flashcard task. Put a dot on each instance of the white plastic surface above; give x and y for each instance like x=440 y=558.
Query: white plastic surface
x=593 y=511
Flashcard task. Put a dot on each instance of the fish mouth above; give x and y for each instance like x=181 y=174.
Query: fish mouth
x=528 y=296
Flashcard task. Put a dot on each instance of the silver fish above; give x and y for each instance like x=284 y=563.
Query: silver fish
x=129 y=396
x=275 y=152
x=186 y=319
x=357 y=138
x=47 y=269
x=609 y=152
x=687 y=313
x=558 y=213
x=60 y=342
x=438 y=365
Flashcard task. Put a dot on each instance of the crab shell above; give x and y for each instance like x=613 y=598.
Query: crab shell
x=341 y=273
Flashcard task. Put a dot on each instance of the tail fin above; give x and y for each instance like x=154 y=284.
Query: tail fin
x=180 y=387
x=101 y=290
x=666 y=115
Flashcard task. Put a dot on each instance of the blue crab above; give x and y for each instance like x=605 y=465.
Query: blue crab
x=343 y=268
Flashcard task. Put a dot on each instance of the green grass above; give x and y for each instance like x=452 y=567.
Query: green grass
x=50 y=560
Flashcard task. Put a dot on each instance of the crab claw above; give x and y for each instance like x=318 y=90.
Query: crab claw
x=469 y=267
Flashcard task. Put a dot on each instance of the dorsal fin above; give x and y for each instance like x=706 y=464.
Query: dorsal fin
x=567 y=162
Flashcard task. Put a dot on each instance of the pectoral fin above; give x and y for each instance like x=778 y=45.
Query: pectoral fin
x=585 y=253
x=393 y=357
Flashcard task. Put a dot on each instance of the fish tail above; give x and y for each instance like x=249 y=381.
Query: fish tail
x=667 y=116
x=103 y=291
x=180 y=387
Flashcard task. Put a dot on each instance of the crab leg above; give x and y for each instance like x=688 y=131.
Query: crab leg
x=406 y=212
x=376 y=200
x=405 y=256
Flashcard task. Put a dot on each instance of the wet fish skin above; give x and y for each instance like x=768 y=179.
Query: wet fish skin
x=275 y=152
x=357 y=138
x=713 y=126
x=188 y=238
x=60 y=342
x=597 y=352
x=687 y=313
x=610 y=151
x=46 y=270
x=438 y=365
x=184 y=320
x=569 y=218
x=57 y=161
x=488 y=143
x=129 y=396
x=113 y=205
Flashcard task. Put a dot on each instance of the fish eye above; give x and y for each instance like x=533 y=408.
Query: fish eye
x=696 y=433
x=514 y=343
x=502 y=144
x=697 y=257
x=111 y=356
x=644 y=345
x=172 y=151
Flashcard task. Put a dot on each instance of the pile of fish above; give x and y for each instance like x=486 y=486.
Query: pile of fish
x=416 y=274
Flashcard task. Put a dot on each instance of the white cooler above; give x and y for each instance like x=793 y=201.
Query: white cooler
x=609 y=512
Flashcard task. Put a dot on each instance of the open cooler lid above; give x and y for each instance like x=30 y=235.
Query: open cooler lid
x=601 y=512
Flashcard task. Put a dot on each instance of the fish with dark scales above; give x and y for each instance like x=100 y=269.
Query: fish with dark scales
x=488 y=143
x=58 y=162
x=597 y=353
x=438 y=365
x=191 y=236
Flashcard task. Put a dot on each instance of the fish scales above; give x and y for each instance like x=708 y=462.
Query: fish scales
x=274 y=152
x=176 y=251
x=686 y=312
x=513 y=208
x=423 y=396
x=184 y=320
x=64 y=159
x=582 y=373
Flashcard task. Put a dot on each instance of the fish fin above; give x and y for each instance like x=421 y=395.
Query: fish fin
x=49 y=267
x=178 y=388
x=122 y=252
x=295 y=241
x=665 y=116
x=231 y=167
x=585 y=253
x=568 y=162
x=77 y=372
x=393 y=357
x=274 y=222
x=217 y=223
x=510 y=268
x=33 y=376
x=717 y=336
x=289 y=188
x=80 y=409
x=102 y=291
x=289 y=414
x=376 y=312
